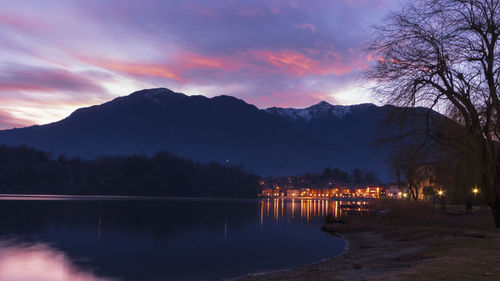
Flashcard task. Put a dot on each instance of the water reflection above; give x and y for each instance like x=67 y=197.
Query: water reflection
x=306 y=209
x=150 y=240
x=24 y=262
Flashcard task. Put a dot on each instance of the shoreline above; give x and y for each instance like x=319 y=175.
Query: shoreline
x=56 y=197
x=349 y=199
x=264 y=273
x=22 y=196
x=441 y=247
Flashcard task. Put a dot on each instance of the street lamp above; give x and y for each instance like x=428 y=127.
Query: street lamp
x=442 y=202
x=475 y=191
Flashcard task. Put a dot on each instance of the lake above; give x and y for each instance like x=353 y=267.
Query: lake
x=110 y=238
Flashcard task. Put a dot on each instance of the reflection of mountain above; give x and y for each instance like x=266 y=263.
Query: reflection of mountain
x=275 y=141
x=123 y=238
x=168 y=239
x=40 y=262
x=138 y=216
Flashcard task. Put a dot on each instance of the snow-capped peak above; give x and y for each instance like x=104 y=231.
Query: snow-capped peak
x=322 y=109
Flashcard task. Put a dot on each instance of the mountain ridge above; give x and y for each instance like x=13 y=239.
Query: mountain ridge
x=321 y=109
x=273 y=141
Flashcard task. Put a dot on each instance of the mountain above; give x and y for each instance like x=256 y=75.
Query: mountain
x=320 y=110
x=350 y=131
x=274 y=141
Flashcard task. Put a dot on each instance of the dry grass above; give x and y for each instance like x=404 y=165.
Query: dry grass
x=396 y=208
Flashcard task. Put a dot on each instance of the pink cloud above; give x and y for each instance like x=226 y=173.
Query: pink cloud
x=18 y=21
x=298 y=97
x=290 y=60
x=4 y=87
x=193 y=60
x=135 y=68
x=7 y=121
x=295 y=63
x=185 y=67
x=178 y=69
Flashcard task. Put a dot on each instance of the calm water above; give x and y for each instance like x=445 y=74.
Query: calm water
x=101 y=239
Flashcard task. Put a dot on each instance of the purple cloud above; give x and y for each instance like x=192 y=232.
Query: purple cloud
x=268 y=52
x=46 y=80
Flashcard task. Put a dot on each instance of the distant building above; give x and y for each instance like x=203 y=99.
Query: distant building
x=314 y=192
x=267 y=192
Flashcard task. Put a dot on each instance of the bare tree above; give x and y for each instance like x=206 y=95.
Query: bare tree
x=444 y=55
x=398 y=166
x=413 y=165
x=457 y=175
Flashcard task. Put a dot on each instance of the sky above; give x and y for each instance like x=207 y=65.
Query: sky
x=60 y=55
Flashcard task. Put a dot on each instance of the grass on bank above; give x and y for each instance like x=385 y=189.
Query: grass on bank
x=457 y=245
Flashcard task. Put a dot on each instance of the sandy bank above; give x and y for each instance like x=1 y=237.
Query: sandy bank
x=437 y=247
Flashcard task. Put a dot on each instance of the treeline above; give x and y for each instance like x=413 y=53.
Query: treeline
x=27 y=170
x=357 y=176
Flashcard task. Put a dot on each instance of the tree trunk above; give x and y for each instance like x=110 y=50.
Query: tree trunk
x=495 y=209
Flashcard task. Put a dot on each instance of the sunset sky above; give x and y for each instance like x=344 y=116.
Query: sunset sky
x=59 y=55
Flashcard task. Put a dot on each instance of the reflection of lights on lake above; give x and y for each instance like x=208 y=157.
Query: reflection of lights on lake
x=261 y=213
x=281 y=209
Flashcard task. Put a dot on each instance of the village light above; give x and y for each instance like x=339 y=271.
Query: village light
x=405 y=195
x=475 y=190
x=440 y=192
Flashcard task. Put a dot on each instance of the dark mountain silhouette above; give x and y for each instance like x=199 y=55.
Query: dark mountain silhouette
x=275 y=141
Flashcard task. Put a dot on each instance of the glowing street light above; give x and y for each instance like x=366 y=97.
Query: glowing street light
x=475 y=190
x=442 y=201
